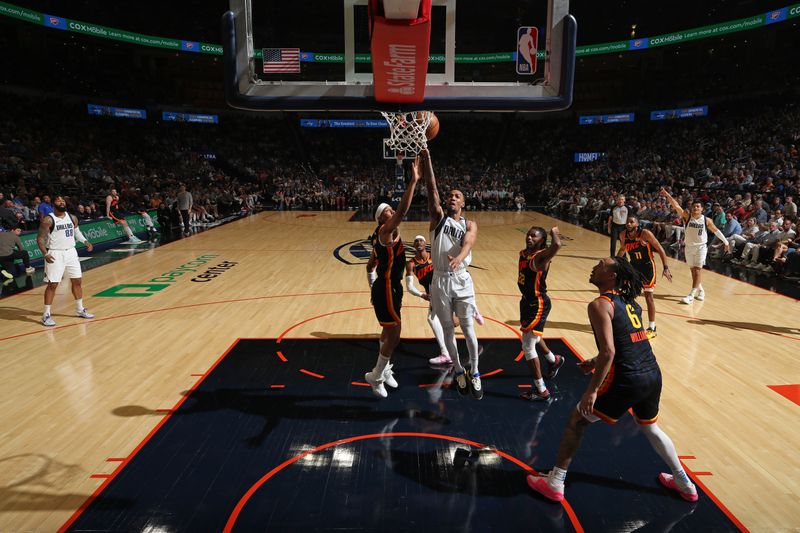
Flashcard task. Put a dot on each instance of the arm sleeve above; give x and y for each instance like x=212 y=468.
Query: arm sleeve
x=78 y=235
x=411 y=288
x=720 y=236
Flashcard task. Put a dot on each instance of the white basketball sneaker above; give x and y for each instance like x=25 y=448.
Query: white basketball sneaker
x=388 y=377
x=376 y=382
x=83 y=313
x=701 y=295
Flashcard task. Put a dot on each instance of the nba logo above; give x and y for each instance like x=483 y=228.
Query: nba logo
x=527 y=45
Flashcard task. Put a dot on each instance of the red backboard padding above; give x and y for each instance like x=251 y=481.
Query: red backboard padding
x=400 y=50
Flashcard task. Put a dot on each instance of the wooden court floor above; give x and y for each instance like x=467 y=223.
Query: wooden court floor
x=70 y=393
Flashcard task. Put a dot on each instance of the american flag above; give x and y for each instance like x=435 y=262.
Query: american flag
x=281 y=60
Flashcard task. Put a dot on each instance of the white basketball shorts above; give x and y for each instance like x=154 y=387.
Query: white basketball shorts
x=696 y=255
x=452 y=292
x=64 y=261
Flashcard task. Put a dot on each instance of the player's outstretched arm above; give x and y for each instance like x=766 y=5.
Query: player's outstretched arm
x=410 y=287
x=721 y=236
x=108 y=206
x=674 y=203
x=466 y=246
x=655 y=245
x=434 y=203
x=621 y=241
x=550 y=252
x=405 y=203
x=79 y=236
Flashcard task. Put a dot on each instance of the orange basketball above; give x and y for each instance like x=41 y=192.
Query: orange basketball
x=433 y=128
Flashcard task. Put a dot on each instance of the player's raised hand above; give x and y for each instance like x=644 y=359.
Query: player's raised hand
x=554 y=231
x=416 y=169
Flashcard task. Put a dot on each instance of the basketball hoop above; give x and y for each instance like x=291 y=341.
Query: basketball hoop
x=408 y=131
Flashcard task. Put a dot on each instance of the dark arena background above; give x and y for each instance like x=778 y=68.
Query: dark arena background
x=215 y=378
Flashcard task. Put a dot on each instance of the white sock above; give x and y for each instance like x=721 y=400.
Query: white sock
x=127 y=231
x=79 y=304
x=47 y=309
x=380 y=365
x=550 y=357
x=468 y=329
x=665 y=449
x=438 y=333
x=539 y=383
x=556 y=478
x=652 y=325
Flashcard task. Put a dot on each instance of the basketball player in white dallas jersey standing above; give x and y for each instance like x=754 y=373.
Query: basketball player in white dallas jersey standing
x=696 y=241
x=56 y=240
x=453 y=237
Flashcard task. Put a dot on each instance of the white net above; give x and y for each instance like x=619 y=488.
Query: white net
x=407 y=131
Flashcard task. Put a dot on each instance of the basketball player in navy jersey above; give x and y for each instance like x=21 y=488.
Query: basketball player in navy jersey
x=56 y=239
x=697 y=226
x=534 y=306
x=387 y=289
x=453 y=237
x=114 y=212
x=639 y=244
x=626 y=376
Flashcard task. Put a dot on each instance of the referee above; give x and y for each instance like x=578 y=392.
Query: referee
x=616 y=221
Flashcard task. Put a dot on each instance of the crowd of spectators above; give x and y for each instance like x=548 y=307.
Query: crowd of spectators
x=741 y=164
x=48 y=149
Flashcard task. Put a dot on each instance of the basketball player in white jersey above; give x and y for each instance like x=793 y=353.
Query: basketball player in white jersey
x=696 y=240
x=453 y=237
x=421 y=267
x=56 y=240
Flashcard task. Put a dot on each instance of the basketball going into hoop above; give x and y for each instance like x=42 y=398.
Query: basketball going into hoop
x=433 y=128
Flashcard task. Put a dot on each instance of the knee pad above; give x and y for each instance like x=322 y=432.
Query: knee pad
x=529 y=342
